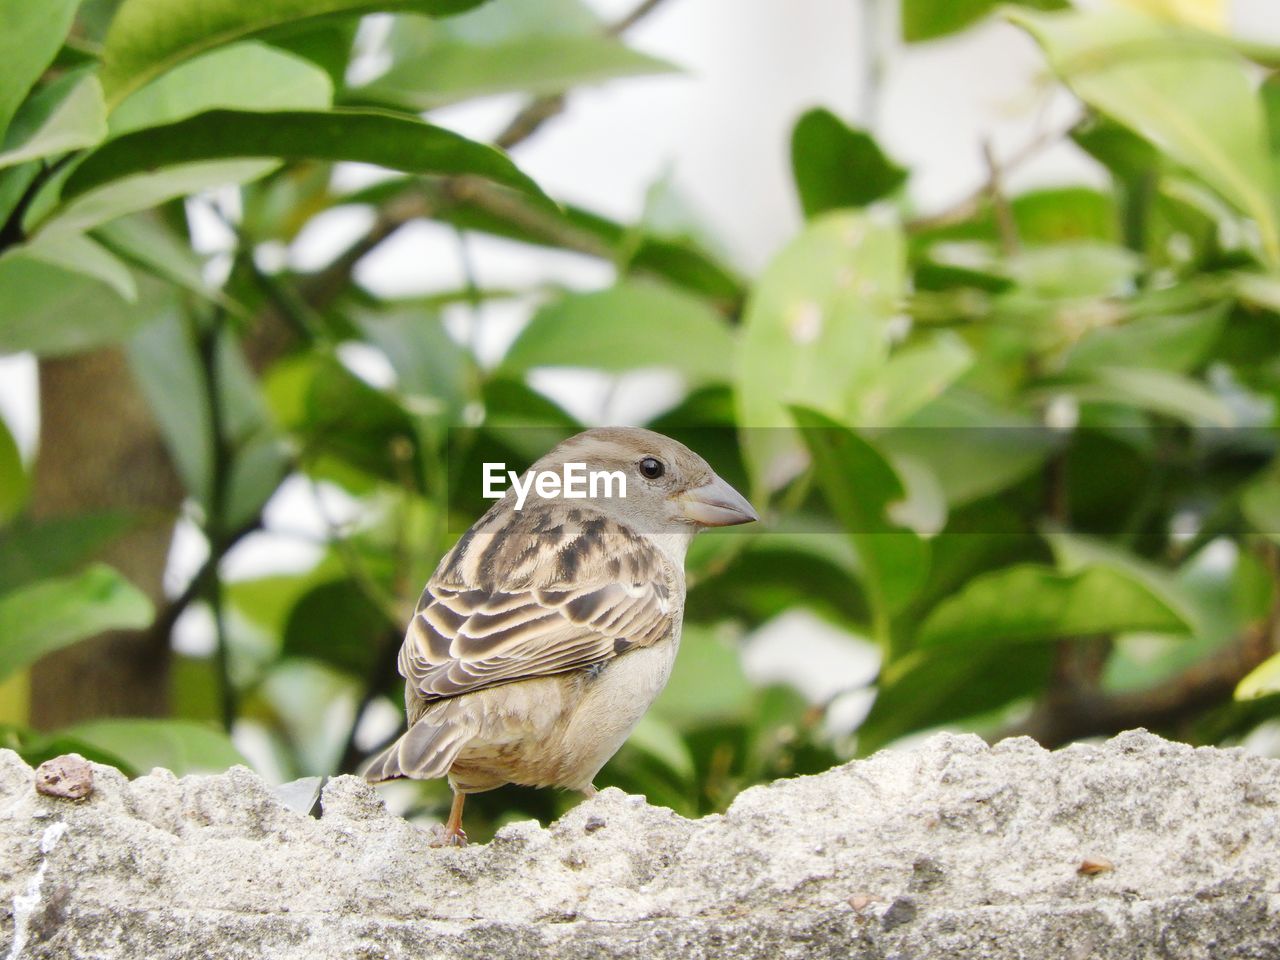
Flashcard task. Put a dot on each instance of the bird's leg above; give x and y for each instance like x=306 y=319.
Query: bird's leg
x=589 y=791
x=451 y=833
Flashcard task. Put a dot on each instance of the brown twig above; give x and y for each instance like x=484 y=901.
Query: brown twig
x=320 y=289
x=528 y=121
x=541 y=109
x=638 y=13
x=413 y=204
x=968 y=206
x=421 y=200
x=168 y=616
x=1006 y=226
x=1066 y=715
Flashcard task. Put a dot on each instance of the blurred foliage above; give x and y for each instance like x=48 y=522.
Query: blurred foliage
x=1036 y=471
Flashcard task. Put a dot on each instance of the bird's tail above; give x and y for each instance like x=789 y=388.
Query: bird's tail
x=425 y=752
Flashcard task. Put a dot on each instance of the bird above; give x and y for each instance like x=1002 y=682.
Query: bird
x=546 y=632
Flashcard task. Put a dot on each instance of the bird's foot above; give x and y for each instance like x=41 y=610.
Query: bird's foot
x=442 y=836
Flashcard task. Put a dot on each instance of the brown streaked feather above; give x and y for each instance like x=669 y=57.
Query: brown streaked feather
x=526 y=595
x=425 y=752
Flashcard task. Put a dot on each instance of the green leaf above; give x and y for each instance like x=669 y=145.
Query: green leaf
x=1074 y=553
x=148 y=243
x=676 y=259
x=943 y=685
x=51 y=311
x=1260 y=503
x=1257 y=289
x=912 y=378
x=837 y=166
x=168 y=370
x=815 y=331
x=1072 y=270
x=178 y=745
x=336 y=623
x=14 y=183
x=32 y=35
x=267 y=602
x=149 y=37
x=972 y=448
x=1227 y=596
x=1190 y=96
x=14 y=482
x=625 y=327
x=494 y=22
x=245 y=76
x=505 y=45
x=1270 y=95
x=775 y=574
x=327 y=43
x=81 y=254
x=541 y=66
x=514 y=404
x=142 y=191
x=53 y=547
x=860 y=486
x=930 y=19
x=36 y=748
x=51 y=614
x=1175 y=343
x=1150 y=389
x=1262 y=680
x=1030 y=603
x=1066 y=215
x=367 y=136
x=707 y=682
x=349 y=430
x=1124 y=153
x=662 y=741
x=432 y=369
x=78 y=119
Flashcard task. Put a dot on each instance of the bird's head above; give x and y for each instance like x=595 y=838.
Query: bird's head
x=669 y=488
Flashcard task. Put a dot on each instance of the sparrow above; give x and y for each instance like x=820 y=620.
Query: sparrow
x=547 y=631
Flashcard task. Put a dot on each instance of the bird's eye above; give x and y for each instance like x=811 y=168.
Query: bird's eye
x=651 y=468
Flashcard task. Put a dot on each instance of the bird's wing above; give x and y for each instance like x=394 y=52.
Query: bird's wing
x=534 y=594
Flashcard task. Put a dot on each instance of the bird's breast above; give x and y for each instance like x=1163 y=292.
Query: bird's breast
x=612 y=703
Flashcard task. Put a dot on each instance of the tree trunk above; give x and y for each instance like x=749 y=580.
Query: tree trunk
x=101 y=450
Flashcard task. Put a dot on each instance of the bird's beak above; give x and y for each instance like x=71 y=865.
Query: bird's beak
x=715 y=504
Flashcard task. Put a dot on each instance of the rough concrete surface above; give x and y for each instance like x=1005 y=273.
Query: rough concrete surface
x=952 y=850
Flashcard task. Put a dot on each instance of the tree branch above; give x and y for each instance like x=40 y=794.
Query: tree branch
x=541 y=109
x=971 y=204
x=638 y=13
x=221 y=459
x=164 y=622
x=1006 y=226
x=1070 y=714
x=529 y=120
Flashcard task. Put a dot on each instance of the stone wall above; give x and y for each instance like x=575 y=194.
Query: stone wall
x=1135 y=848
